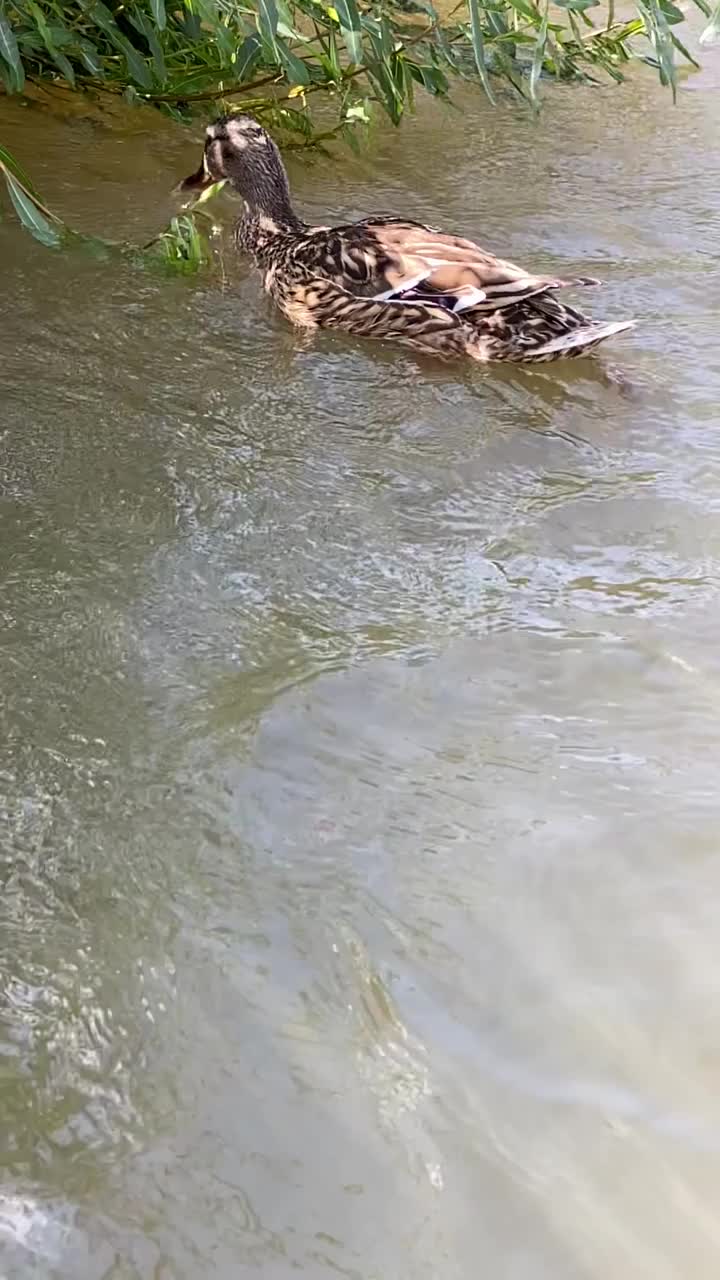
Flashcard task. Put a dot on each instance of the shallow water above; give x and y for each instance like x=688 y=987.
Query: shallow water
x=360 y=730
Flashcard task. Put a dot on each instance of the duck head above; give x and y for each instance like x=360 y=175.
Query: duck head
x=239 y=151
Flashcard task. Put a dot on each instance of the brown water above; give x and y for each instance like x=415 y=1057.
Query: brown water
x=360 y=734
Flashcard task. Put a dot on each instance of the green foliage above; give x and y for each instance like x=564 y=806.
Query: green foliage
x=361 y=52
x=39 y=221
x=182 y=246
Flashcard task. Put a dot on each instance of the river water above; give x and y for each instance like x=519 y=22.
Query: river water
x=360 y=731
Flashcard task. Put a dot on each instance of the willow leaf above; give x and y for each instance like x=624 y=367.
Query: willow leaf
x=538 y=58
x=267 y=22
x=247 y=56
x=349 y=17
x=297 y=71
x=9 y=50
x=712 y=31
x=8 y=161
x=478 y=44
x=31 y=217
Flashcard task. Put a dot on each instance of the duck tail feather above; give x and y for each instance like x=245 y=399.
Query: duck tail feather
x=577 y=343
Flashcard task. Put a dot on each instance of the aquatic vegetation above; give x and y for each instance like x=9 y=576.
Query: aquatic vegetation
x=182 y=246
x=279 y=54
x=277 y=58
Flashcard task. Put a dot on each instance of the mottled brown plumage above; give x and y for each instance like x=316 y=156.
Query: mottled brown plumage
x=386 y=277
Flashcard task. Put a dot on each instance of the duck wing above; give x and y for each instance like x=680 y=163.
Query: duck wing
x=418 y=263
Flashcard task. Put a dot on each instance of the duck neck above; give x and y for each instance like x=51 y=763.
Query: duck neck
x=258 y=231
x=265 y=219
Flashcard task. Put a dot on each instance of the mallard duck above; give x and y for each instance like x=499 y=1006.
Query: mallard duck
x=387 y=277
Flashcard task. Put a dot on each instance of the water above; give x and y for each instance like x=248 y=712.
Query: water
x=359 y=736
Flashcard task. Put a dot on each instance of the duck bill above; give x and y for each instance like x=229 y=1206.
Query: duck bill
x=198 y=181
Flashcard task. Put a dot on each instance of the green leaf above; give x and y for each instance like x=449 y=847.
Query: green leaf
x=63 y=64
x=431 y=78
x=7 y=77
x=387 y=37
x=349 y=17
x=102 y=17
x=8 y=161
x=524 y=8
x=158 y=13
x=444 y=50
x=538 y=58
x=509 y=70
x=181 y=245
x=712 y=30
x=671 y=12
x=658 y=32
x=90 y=58
x=209 y=193
x=136 y=65
x=332 y=61
x=9 y=51
x=380 y=75
x=685 y=52
x=190 y=23
x=142 y=23
x=478 y=44
x=31 y=217
x=297 y=70
x=247 y=56
x=58 y=58
x=267 y=22
x=576 y=6
x=632 y=28
x=291 y=33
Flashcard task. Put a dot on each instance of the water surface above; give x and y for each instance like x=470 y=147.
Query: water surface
x=360 y=729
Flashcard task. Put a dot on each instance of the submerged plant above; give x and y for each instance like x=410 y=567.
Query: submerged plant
x=182 y=246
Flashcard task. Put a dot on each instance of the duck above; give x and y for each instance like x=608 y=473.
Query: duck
x=388 y=277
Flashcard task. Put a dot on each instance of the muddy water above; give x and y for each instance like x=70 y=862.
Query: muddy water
x=360 y=731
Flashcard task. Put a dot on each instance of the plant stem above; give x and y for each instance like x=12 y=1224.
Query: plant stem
x=210 y=94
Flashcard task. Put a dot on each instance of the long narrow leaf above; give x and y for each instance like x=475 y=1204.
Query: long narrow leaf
x=379 y=73
x=538 y=58
x=158 y=13
x=712 y=31
x=61 y=62
x=9 y=50
x=349 y=16
x=527 y=10
x=247 y=56
x=297 y=70
x=142 y=23
x=90 y=58
x=31 y=217
x=681 y=48
x=658 y=32
x=136 y=64
x=8 y=161
x=267 y=23
x=478 y=44
x=7 y=77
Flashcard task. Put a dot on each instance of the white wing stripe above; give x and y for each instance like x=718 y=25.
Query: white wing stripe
x=403 y=287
